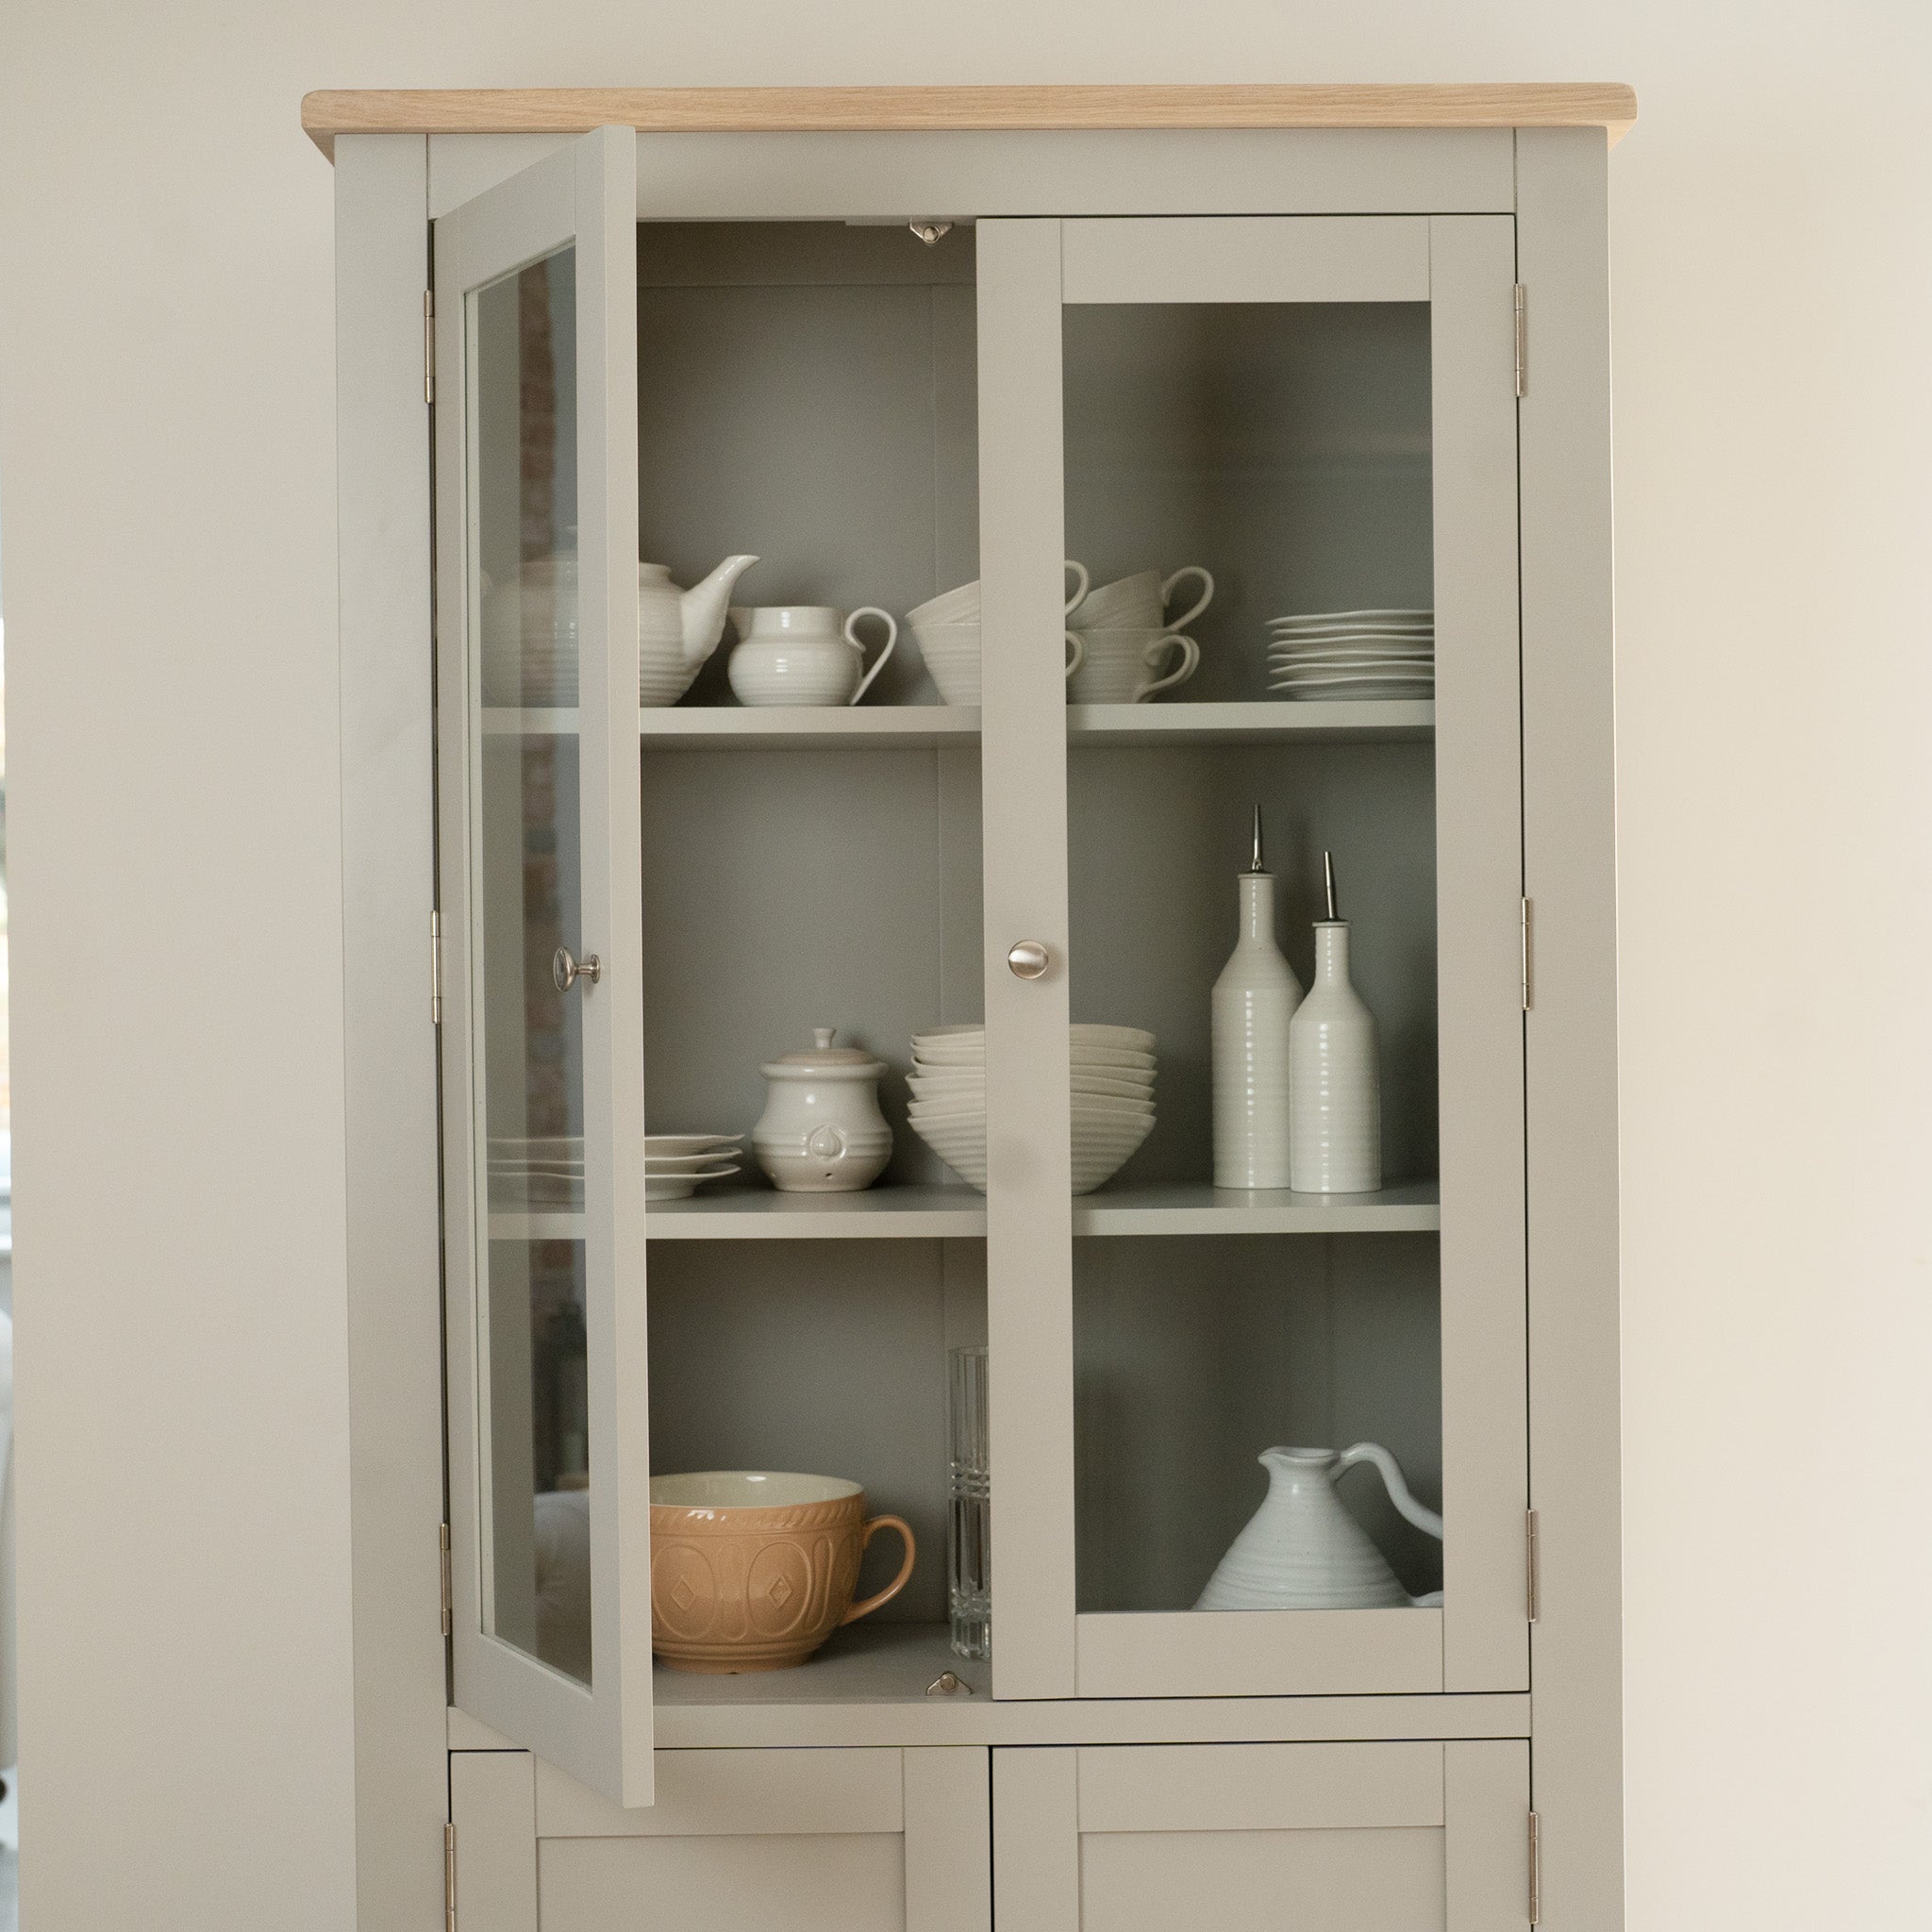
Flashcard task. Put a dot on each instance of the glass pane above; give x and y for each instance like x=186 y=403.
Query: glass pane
x=525 y=899
x=1243 y=483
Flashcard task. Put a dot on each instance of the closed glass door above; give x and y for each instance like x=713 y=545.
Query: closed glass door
x=538 y=653
x=1256 y=1093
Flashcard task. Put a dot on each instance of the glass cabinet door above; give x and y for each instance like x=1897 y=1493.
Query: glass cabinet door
x=1282 y=452
x=538 y=692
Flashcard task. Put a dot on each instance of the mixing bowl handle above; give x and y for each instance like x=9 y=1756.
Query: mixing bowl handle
x=899 y=1582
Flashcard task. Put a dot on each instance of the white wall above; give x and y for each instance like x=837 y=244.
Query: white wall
x=165 y=459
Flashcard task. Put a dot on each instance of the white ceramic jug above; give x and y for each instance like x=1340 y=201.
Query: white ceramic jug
x=1302 y=1551
x=803 y=654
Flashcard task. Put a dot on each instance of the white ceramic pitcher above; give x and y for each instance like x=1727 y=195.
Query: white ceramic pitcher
x=1302 y=1551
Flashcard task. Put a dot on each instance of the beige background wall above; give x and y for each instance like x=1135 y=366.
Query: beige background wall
x=166 y=504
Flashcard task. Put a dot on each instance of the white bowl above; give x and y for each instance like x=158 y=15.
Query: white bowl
x=1092 y=1033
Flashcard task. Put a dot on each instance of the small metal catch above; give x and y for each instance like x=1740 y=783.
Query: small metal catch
x=949 y=1684
x=930 y=232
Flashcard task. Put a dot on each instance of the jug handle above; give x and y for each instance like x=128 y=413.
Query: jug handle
x=1423 y=1517
x=878 y=663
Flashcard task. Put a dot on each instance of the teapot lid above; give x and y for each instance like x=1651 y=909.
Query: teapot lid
x=822 y=1057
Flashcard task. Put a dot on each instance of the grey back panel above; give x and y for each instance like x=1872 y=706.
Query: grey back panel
x=806 y=393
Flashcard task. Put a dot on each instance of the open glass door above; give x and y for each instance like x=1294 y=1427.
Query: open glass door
x=537 y=481
x=1283 y=450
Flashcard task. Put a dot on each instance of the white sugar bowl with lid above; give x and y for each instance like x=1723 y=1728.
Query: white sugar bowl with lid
x=821 y=1131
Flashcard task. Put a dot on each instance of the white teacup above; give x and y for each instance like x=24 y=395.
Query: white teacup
x=1139 y=602
x=1120 y=666
x=952 y=655
x=803 y=654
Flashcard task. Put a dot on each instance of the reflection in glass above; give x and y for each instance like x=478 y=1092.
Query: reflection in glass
x=526 y=898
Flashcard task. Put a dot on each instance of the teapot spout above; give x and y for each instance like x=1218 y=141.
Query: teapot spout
x=701 y=609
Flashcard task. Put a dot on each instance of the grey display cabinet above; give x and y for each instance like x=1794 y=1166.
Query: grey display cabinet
x=1344 y=347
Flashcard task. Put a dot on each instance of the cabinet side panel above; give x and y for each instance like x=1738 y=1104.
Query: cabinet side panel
x=1570 y=874
x=395 y=1386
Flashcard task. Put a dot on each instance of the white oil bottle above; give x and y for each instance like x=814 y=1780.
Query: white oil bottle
x=1334 y=1082
x=1253 y=1003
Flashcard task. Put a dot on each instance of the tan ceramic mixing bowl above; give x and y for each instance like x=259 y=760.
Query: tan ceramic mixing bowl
x=752 y=1570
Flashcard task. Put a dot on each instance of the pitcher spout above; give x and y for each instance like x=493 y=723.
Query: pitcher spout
x=701 y=609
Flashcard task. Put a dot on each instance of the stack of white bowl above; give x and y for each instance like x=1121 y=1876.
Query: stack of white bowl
x=946 y=628
x=674 y=1164
x=1112 y=1098
x=1350 y=654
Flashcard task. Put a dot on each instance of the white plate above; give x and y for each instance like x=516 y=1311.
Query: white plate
x=655 y=1144
x=681 y=1187
x=1354 y=616
x=1362 y=694
x=1285 y=681
x=1353 y=660
x=661 y=1166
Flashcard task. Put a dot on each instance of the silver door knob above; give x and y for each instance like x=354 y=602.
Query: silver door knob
x=1029 y=959
x=566 y=971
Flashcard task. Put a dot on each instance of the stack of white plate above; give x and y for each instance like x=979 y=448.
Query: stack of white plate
x=1112 y=1098
x=675 y=1163
x=1353 y=654
x=536 y=1170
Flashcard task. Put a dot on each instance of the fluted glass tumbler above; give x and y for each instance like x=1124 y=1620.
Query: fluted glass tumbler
x=969 y=1583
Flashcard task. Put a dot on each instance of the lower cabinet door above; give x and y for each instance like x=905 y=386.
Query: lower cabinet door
x=1290 y=1838
x=812 y=1841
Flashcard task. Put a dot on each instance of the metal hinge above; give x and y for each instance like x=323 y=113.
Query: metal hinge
x=435 y=967
x=1522 y=340
x=1528 y=938
x=1536 y=1871
x=429 y=345
x=449 y=1877
x=1532 y=1554
x=449 y=1599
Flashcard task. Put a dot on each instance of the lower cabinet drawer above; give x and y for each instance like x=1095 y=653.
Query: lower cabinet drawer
x=1262 y=1838
x=810 y=1840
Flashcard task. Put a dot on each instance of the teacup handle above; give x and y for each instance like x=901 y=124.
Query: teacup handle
x=1187 y=570
x=1079 y=570
x=1078 y=654
x=1191 y=659
x=900 y=1581
x=878 y=663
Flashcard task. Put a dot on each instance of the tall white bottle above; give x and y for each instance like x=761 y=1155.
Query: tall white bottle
x=1254 y=1001
x=1334 y=1082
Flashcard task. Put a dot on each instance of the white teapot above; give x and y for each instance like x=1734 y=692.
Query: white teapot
x=1302 y=1551
x=530 y=631
x=821 y=1131
x=678 y=629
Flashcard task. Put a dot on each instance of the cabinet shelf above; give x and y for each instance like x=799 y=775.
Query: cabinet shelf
x=906 y=1213
x=1194 y=1208
x=945 y=1213
x=888 y=728
x=1264 y=721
